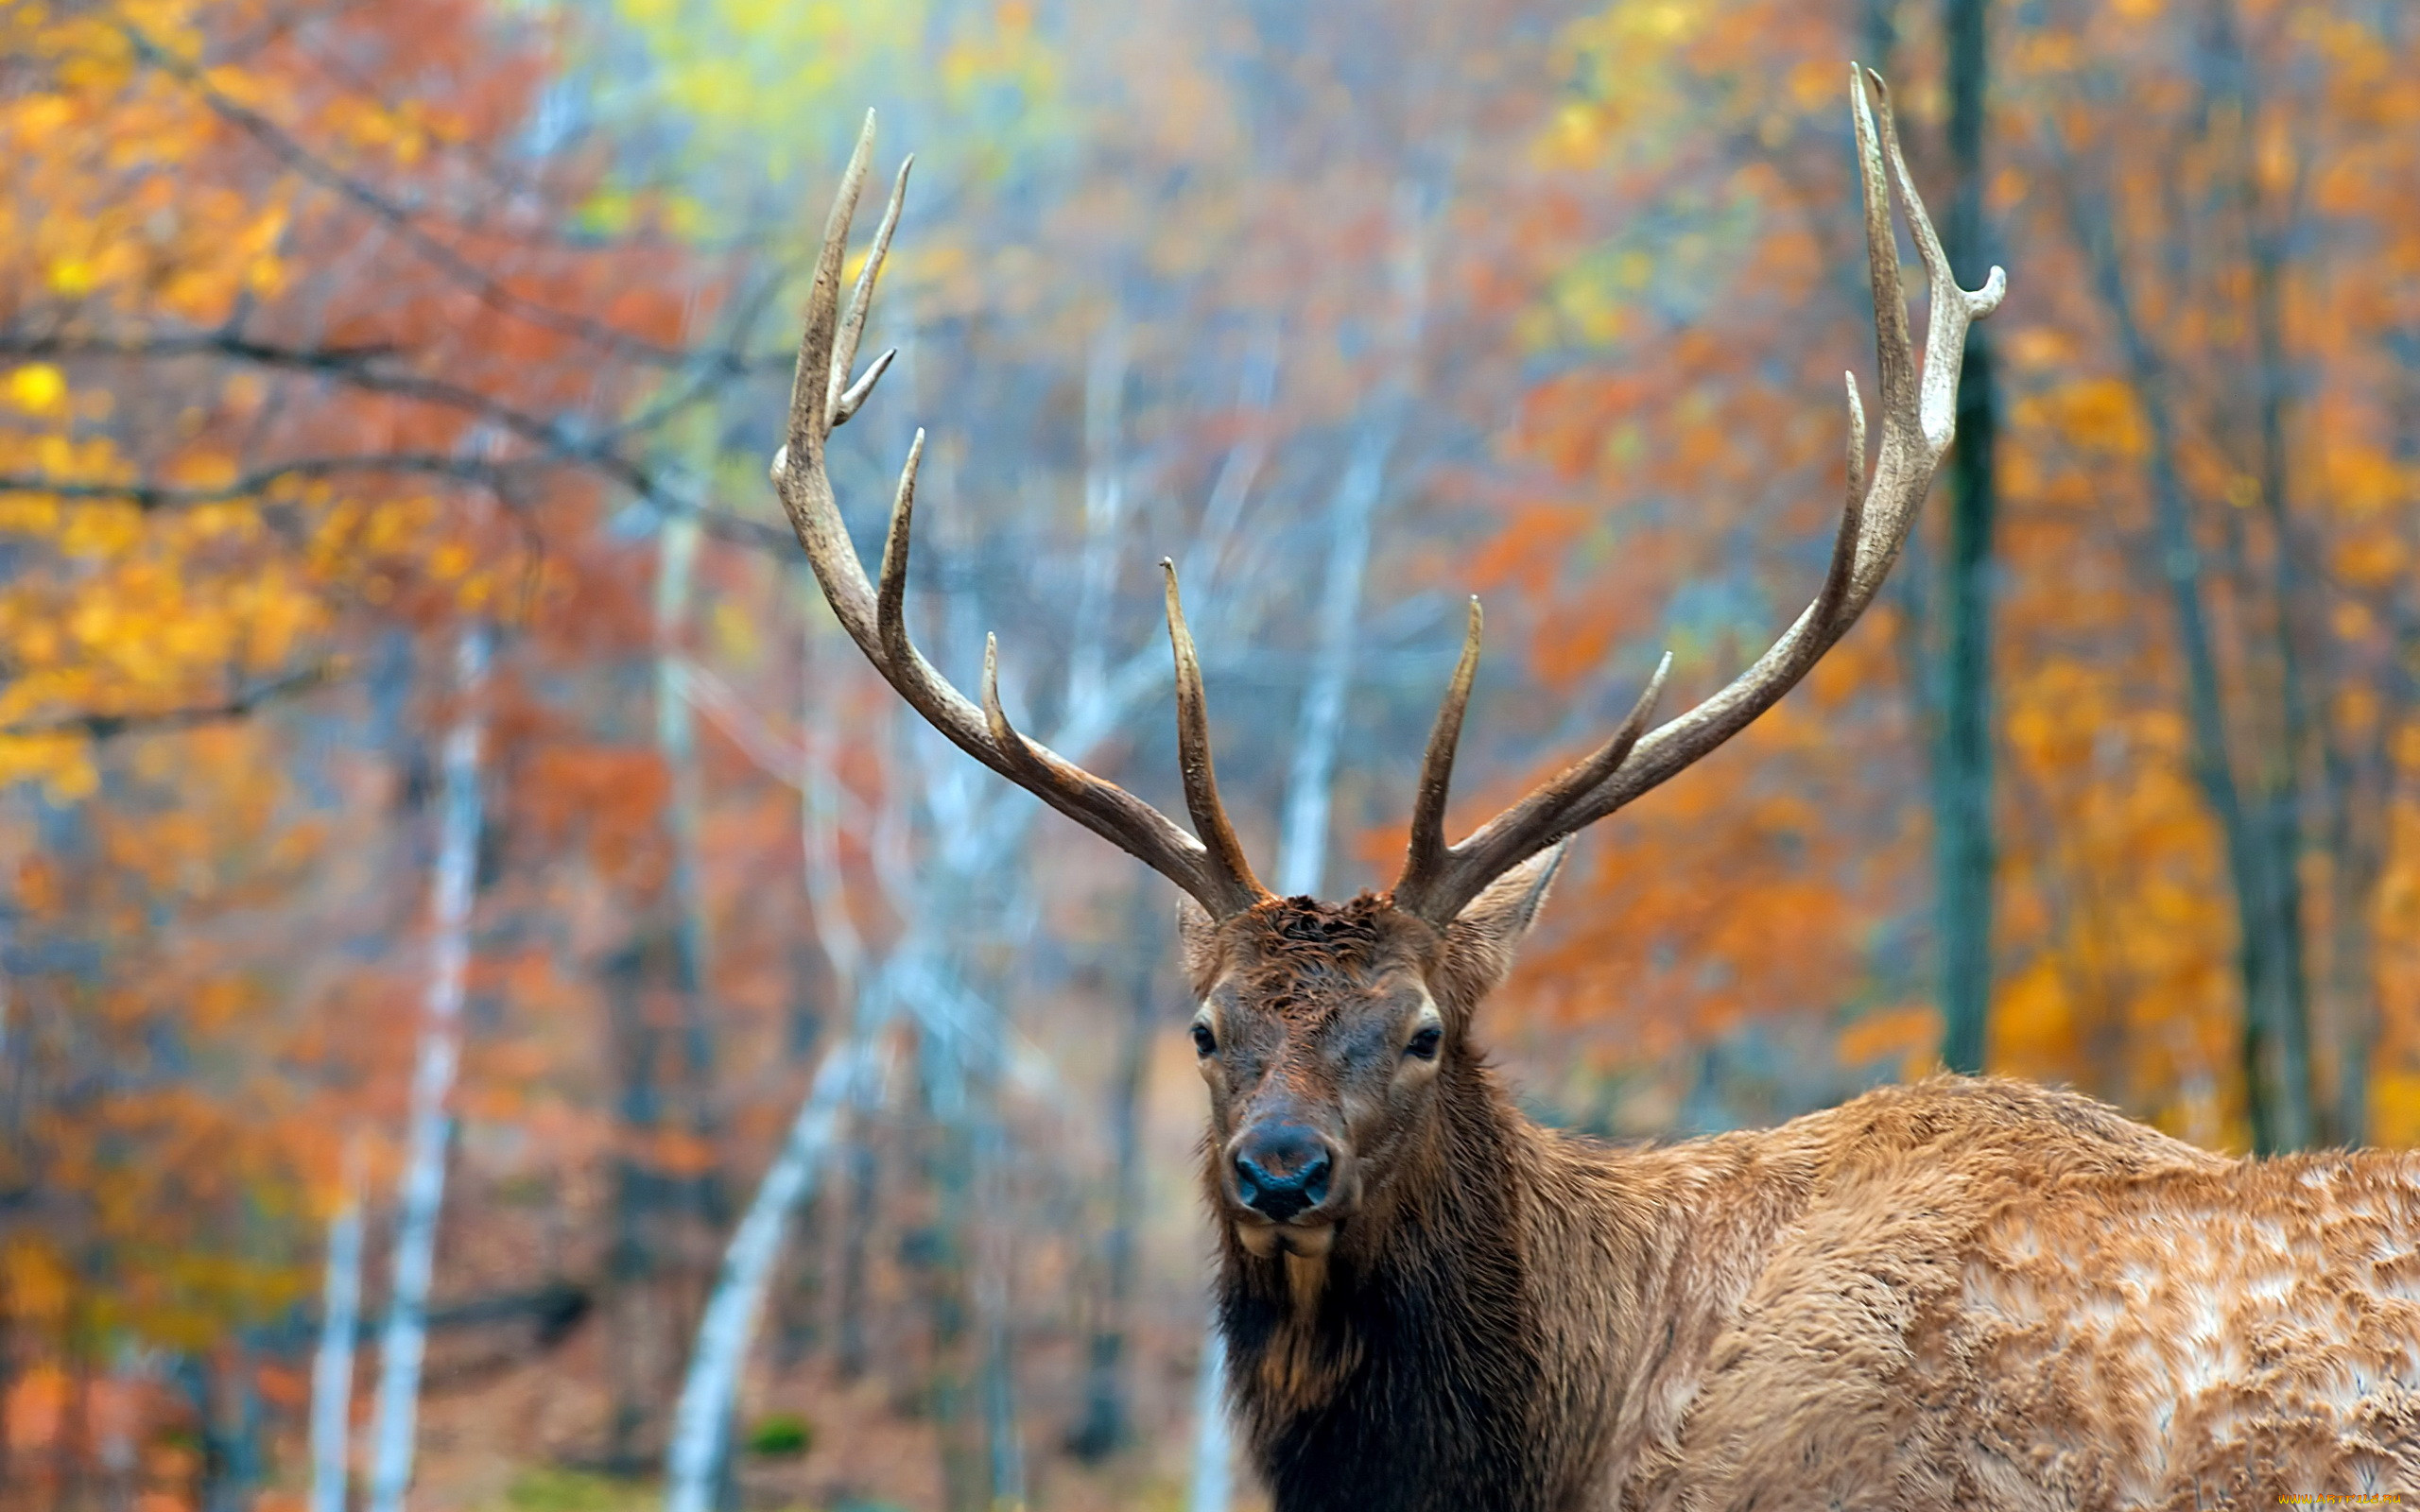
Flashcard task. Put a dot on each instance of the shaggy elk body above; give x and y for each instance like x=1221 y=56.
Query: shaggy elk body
x=1959 y=1294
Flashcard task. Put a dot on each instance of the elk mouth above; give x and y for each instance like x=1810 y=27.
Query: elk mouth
x=1307 y=1241
x=1307 y=1238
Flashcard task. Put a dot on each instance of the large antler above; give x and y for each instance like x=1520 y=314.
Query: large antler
x=1918 y=420
x=821 y=398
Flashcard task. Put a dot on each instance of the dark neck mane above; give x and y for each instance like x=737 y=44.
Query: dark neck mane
x=1397 y=1379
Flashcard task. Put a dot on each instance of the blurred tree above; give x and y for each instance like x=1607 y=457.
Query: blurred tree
x=1962 y=819
x=270 y=330
x=2183 y=425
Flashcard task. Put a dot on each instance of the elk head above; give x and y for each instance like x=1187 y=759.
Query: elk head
x=1332 y=1035
x=1334 y=1038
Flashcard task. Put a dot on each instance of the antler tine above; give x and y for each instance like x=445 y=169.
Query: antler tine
x=1107 y=809
x=854 y=398
x=890 y=598
x=1919 y=413
x=1953 y=308
x=811 y=386
x=1427 y=849
x=875 y=616
x=1893 y=356
x=1857 y=445
x=1436 y=887
x=1226 y=853
x=844 y=397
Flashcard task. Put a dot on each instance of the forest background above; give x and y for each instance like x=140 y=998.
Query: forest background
x=462 y=894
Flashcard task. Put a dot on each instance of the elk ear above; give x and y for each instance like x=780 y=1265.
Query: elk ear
x=1196 y=945
x=1486 y=934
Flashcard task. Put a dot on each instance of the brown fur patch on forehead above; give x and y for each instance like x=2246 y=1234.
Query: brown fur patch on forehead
x=1300 y=955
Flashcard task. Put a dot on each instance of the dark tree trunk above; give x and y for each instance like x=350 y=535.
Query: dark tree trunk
x=2361 y=794
x=1106 y=1426
x=856 y=1234
x=8 y=1386
x=1878 y=26
x=71 y=1447
x=1962 y=761
x=801 y=1302
x=2279 y=774
x=940 y=1259
x=2267 y=919
x=633 y=1319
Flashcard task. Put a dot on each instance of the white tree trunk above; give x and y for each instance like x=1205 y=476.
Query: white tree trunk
x=1214 y=1449
x=404 y=1337
x=676 y=738
x=1302 y=836
x=332 y=1366
x=702 y=1420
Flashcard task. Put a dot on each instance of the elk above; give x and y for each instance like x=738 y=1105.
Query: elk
x=1954 y=1293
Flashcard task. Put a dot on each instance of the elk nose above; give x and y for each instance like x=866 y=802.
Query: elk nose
x=1281 y=1171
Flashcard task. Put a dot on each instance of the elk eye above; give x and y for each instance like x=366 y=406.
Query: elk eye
x=1204 y=1042
x=1424 y=1044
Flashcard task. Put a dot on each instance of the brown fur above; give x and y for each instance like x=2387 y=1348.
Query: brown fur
x=1956 y=1294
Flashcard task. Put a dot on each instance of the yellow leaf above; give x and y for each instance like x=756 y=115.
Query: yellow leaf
x=1911 y=1035
x=38 y=388
x=2394 y=1110
x=37 y=1282
x=72 y=275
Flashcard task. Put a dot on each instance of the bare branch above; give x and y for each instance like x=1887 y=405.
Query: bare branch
x=486 y=286
x=144 y=495
x=101 y=726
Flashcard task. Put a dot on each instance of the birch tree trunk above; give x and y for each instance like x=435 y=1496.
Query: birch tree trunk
x=1213 y=1485
x=1303 y=844
x=423 y=1189
x=332 y=1365
x=676 y=734
x=702 y=1420
x=709 y=1393
x=1303 y=830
